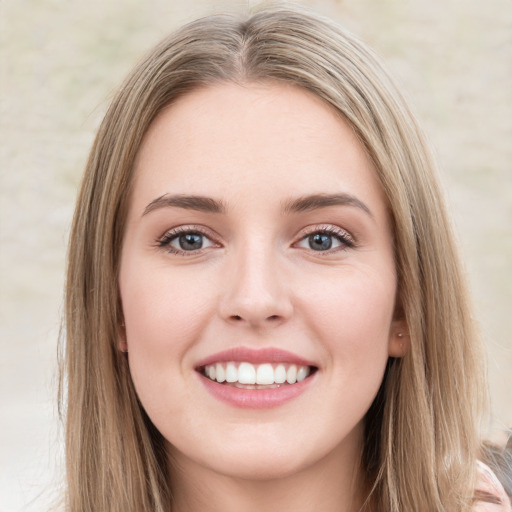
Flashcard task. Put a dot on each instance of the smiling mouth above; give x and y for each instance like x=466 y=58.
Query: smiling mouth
x=246 y=375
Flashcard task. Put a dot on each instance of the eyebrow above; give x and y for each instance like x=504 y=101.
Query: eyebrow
x=301 y=204
x=316 y=201
x=187 y=202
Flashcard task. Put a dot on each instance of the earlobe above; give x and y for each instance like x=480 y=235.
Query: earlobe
x=399 y=339
x=122 y=343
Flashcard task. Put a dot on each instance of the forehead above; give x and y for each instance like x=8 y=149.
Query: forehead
x=273 y=139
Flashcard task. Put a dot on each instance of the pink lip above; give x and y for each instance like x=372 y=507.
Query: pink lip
x=255 y=398
x=264 y=355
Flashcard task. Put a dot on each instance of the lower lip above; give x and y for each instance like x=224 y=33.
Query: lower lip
x=255 y=398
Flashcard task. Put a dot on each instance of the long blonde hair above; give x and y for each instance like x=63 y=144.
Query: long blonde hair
x=421 y=432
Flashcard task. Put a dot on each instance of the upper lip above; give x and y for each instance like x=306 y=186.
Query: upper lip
x=255 y=356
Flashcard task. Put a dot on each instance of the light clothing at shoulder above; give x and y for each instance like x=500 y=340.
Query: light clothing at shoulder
x=488 y=483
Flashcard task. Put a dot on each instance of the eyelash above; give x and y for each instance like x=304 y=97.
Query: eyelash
x=343 y=237
x=165 y=241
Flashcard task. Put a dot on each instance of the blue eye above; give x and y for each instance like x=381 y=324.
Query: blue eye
x=188 y=242
x=320 y=242
x=182 y=241
x=324 y=240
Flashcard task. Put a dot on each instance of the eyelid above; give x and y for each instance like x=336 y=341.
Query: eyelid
x=163 y=241
x=347 y=239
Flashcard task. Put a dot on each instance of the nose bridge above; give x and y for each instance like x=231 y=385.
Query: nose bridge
x=256 y=292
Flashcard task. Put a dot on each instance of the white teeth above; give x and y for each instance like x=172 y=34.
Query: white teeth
x=280 y=374
x=231 y=373
x=262 y=375
x=291 y=374
x=246 y=374
x=220 y=374
x=302 y=373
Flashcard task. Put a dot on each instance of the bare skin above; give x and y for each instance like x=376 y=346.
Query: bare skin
x=231 y=245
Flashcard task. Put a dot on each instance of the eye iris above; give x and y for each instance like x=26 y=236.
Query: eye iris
x=320 y=242
x=191 y=241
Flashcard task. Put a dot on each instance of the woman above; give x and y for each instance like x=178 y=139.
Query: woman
x=264 y=303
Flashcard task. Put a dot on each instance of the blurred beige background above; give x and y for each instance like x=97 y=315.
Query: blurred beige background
x=60 y=62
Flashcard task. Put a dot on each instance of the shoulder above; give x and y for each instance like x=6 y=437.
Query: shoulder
x=490 y=489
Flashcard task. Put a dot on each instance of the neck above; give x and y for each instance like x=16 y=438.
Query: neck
x=331 y=484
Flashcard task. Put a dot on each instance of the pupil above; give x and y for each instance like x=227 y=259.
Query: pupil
x=191 y=241
x=320 y=242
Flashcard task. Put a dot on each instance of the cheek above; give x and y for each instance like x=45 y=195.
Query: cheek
x=355 y=327
x=163 y=307
x=165 y=312
x=352 y=313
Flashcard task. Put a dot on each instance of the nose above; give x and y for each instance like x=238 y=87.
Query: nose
x=256 y=293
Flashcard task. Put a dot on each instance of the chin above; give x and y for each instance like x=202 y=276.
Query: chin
x=264 y=465
x=256 y=456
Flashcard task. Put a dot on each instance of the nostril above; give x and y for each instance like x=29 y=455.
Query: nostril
x=270 y=320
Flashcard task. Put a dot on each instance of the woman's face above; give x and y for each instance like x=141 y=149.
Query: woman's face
x=257 y=250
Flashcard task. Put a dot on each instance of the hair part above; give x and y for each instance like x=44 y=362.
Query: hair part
x=421 y=431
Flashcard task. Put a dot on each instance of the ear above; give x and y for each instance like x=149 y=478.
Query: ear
x=122 y=343
x=399 y=340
